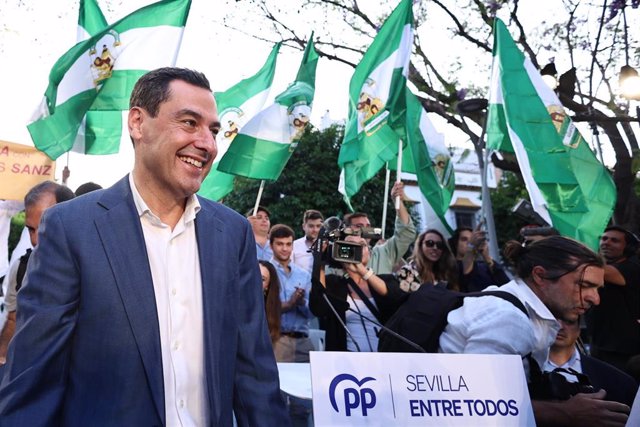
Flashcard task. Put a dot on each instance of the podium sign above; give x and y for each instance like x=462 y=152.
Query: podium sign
x=409 y=389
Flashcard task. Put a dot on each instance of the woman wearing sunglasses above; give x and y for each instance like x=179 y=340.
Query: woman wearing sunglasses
x=432 y=262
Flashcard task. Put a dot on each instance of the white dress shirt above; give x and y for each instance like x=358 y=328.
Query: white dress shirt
x=300 y=255
x=177 y=284
x=491 y=325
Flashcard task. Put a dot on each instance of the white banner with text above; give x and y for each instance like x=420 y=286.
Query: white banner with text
x=410 y=389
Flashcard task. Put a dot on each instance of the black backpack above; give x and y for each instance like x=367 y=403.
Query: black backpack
x=423 y=317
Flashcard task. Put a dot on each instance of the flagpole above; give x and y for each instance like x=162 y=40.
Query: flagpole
x=488 y=211
x=471 y=107
x=387 y=178
x=66 y=172
x=255 y=207
x=399 y=171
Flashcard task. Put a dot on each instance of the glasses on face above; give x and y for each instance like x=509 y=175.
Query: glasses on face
x=434 y=244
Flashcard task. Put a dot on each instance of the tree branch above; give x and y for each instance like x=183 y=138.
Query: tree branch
x=461 y=31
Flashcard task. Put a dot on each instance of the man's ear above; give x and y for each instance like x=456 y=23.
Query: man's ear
x=538 y=275
x=134 y=121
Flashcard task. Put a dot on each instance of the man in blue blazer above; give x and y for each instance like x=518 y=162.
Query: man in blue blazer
x=142 y=304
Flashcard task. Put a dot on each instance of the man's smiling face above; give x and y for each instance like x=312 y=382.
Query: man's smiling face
x=177 y=147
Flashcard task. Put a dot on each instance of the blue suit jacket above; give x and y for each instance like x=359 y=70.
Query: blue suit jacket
x=87 y=345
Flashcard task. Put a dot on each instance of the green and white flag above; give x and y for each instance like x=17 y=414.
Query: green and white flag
x=568 y=186
x=99 y=73
x=426 y=156
x=90 y=19
x=377 y=103
x=100 y=130
x=264 y=145
x=236 y=106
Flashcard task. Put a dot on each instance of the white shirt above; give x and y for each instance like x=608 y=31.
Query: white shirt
x=491 y=325
x=8 y=208
x=177 y=285
x=300 y=256
x=11 y=279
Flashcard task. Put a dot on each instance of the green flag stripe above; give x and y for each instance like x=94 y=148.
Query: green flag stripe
x=220 y=185
x=396 y=29
x=55 y=135
x=173 y=13
x=90 y=17
x=307 y=70
x=377 y=108
x=434 y=169
x=256 y=158
x=566 y=182
x=239 y=93
x=116 y=91
x=265 y=143
x=103 y=132
x=167 y=12
x=236 y=106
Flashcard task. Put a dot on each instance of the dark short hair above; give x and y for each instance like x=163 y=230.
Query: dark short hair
x=279 y=231
x=348 y=219
x=311 y=214
x=453 y=240
x=558 y=255
x=64 y=193
x=260 y=209
x=152 y=89
x=630 y=239
x=35 y=194
x=87 y=187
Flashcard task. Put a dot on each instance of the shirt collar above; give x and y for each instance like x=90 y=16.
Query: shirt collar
x=191 y=208
x=533 y=303
x=574 y=362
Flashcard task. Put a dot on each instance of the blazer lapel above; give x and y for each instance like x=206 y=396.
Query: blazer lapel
x=121 y=234
x=209 y=233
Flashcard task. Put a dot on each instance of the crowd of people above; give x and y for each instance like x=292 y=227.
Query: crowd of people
x=570 y=293
x=148 y=285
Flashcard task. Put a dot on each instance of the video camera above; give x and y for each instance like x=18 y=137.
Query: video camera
x=560 y=384
x=336 y=251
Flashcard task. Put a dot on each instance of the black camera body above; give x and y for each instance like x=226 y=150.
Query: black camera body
x=333 y=246
x=560 y=384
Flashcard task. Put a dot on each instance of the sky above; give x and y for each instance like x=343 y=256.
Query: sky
x=35 y=33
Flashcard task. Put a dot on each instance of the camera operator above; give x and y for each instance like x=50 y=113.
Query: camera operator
x=385 y=255
x=358 y=292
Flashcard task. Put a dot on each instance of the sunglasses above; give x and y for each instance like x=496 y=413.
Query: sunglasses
x=433 y=243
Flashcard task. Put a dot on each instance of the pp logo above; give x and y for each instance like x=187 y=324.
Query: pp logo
x=363 y=398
